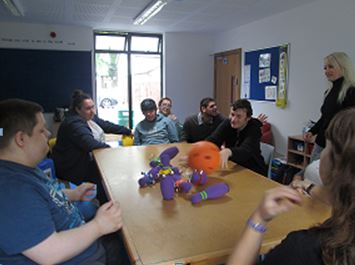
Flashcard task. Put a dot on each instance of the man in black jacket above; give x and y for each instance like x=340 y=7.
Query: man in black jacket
x=240 y=136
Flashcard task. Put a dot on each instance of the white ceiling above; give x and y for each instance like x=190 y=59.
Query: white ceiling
x=176 y=16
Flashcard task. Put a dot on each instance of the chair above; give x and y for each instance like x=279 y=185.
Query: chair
x=267 y=151
x=51 y=143
x=86 y=208
x=311 y=173
x=266 y=133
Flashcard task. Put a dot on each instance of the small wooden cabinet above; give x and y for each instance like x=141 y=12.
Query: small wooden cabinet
x=298 y=151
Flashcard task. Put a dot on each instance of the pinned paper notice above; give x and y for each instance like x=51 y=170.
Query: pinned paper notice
x=264 y=60
x=273 y=79
x=246 y=83
x=270 y=92
x=264 y=75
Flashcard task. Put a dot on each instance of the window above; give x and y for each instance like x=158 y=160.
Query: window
x=145 y=44
x=116 y=43
x=128 y=70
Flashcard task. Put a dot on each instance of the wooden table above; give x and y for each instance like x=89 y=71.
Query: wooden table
x=173 y=232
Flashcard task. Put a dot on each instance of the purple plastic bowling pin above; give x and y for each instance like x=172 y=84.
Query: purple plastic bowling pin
x=171 y=152
x=149 y=178
x=155 y=162
x=211 y=192
x=198 y=177
x=183 y=185
x=176 y=170
x=167 y=187
x=165 y=160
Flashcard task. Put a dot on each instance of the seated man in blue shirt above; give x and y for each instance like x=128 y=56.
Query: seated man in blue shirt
x=155 y=128
x=38 y=222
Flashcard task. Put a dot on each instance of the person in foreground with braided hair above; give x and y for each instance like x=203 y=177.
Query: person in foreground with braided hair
x=330 y=243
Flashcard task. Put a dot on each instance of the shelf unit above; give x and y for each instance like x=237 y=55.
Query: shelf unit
x=298 y=151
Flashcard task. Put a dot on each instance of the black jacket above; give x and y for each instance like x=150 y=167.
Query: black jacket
x=244 y=144
x=75 y=142
x=299 y=248
x=331 y=107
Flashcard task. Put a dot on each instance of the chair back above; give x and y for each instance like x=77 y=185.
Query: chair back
x=87 y=208
x=47 y=166
x=267 y=151
x=51 y=143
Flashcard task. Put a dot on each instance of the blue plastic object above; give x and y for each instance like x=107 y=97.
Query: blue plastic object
x=47 y=166
x=87 y=208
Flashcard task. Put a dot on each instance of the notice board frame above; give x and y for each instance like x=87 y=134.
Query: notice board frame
x=47 y=77
x=277 y=63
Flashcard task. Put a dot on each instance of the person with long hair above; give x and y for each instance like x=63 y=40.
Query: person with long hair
x=339 y=72
x=330 y=243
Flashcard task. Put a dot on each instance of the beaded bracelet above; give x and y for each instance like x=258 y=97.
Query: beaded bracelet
x=256 y=226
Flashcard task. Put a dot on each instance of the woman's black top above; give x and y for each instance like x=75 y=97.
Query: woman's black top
x=331 y=107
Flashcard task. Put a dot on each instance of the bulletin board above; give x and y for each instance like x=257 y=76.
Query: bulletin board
x=47 y=77
x=265 y=74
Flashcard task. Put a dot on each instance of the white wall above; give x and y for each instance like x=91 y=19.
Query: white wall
x=37 y=36
x=188 y=71
x=313 y=31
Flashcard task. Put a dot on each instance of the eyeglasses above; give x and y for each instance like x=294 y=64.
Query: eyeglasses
x=168 y=105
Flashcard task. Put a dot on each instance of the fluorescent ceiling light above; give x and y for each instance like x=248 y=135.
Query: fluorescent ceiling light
x=149 y=11
x=14 y=7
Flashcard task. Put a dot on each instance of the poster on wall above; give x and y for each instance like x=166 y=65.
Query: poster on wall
x=264 y=75
x=267 y=74
x=283 y=77
x=245 y=90
x=270 y=92
x=264 y=60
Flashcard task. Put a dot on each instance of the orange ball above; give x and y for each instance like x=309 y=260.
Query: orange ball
x=204 y=156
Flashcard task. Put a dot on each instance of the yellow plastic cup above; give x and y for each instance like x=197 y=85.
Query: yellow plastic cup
x=127 y=140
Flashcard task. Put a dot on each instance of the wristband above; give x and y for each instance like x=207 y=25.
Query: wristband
x=309 y=188
x=256 y=226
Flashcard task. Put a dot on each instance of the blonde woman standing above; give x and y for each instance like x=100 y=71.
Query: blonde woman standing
x=339 y=71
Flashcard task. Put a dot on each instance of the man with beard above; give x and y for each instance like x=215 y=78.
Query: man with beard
x=199 y=126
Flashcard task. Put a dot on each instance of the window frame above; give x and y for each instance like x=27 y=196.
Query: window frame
x=127 y=50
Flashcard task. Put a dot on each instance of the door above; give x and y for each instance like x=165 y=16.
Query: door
x=227 y=77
